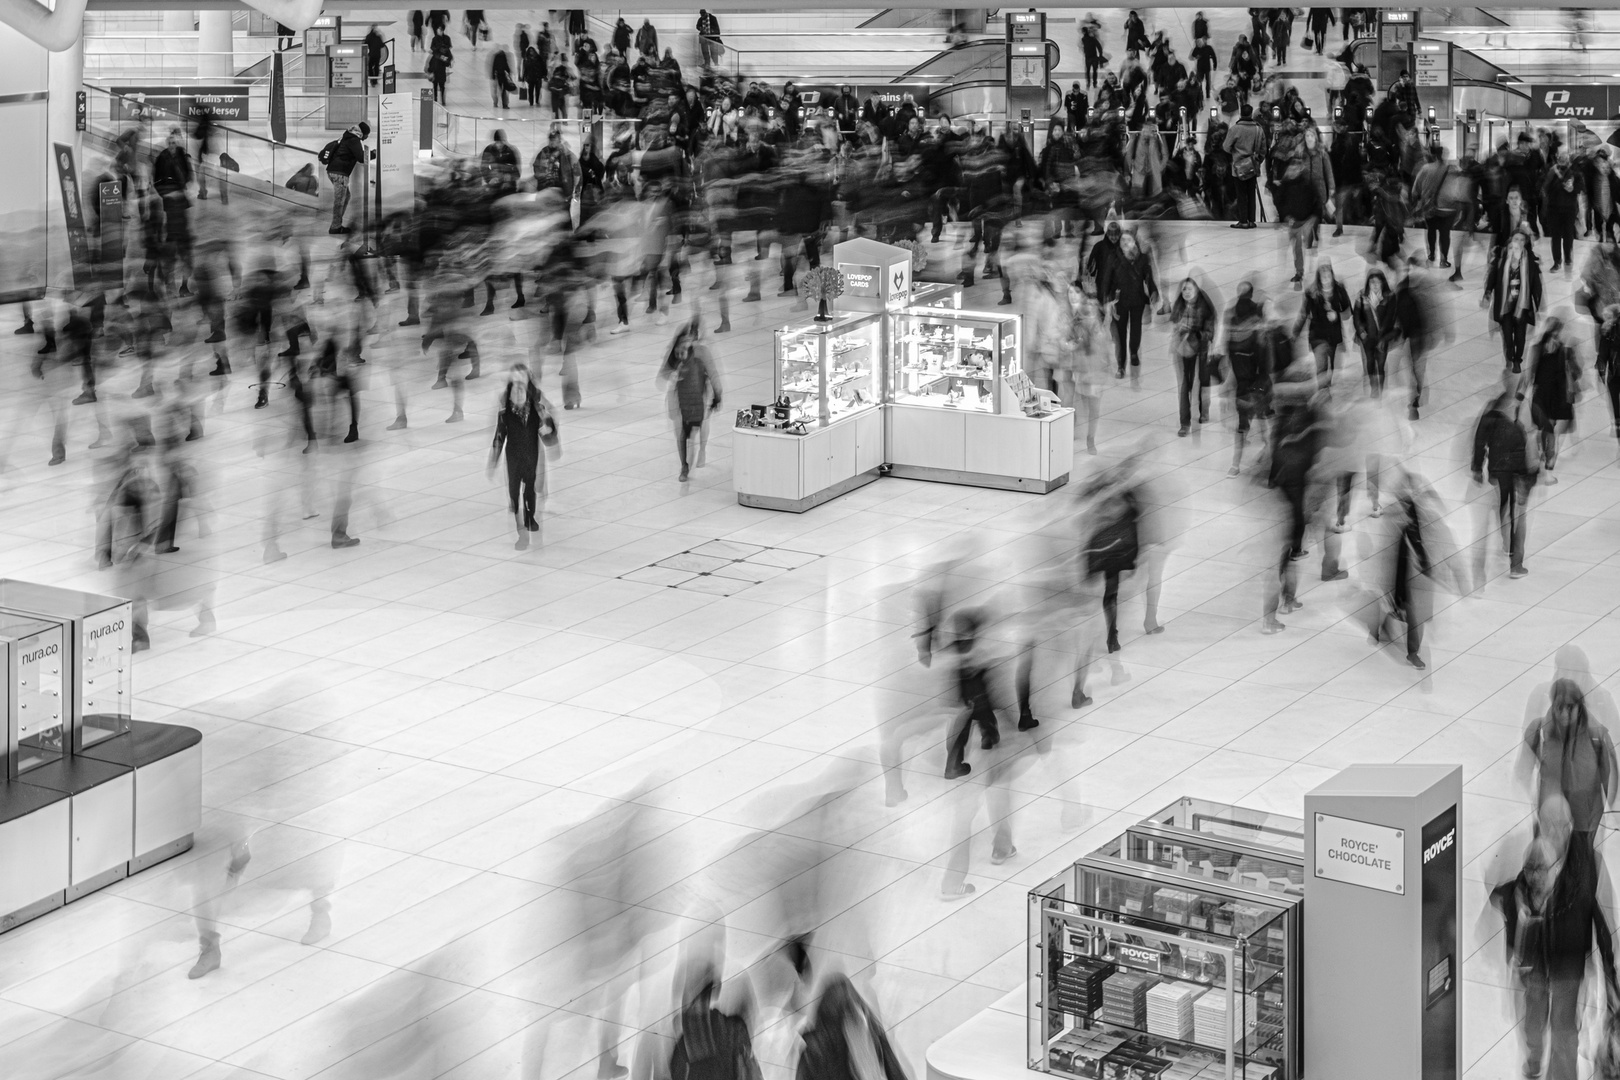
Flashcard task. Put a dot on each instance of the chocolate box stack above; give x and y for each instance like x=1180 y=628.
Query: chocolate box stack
x=1080 y=985
x=1125 y=999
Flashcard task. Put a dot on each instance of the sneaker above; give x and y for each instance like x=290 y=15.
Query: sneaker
x=344 y=540
x=398 y=424
x=622 y=328
x=686 y=474
x=958 y=772
x=454 y=417
x=1337 y=575
x=337 y=230
x=86 y=398
x=1272 y=626
x=1182 y=431
x=1517 y=572
x=1416 y=661
x=999 y=857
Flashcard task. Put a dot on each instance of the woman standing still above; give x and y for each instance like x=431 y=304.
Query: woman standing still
x=694 y=392
x=1322 y=317
x=1554 y=373
x=523 y=424
x=1192 y=319
x=1128 y=287
x=1513 y=291
x=1561 y=195
x=1374 y=323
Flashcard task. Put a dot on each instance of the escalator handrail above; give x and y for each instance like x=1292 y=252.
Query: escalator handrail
x=959 y=47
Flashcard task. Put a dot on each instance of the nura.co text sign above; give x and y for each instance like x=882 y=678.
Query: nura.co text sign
x=1359 y=853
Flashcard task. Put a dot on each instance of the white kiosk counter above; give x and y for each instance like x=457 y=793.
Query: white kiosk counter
x=955 y=408
x=823 y=434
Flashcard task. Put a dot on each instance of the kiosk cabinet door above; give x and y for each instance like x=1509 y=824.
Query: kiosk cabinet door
x=841 y=451
x=815 y=462
x=868 y=441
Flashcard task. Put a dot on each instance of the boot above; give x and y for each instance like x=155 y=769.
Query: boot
x=724 y=327
x=26 y=328
x=353 y=435
x=222 y=366
x=50 y=343
x=207 y=956
x=144 y=390
x=264 y=398
x=88 y=397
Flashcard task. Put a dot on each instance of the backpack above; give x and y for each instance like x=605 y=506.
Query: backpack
x=328 y=153
x=1113 y=546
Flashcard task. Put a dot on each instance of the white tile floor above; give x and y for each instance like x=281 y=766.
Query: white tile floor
x=443 y=732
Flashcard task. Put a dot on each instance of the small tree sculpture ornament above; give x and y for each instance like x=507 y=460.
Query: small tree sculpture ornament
x=822 y=284
x=919 y=255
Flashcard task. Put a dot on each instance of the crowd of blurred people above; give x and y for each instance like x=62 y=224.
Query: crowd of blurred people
x=1080 y=234
x=1077 y=224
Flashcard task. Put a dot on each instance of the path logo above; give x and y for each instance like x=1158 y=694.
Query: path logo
x=1558 y=102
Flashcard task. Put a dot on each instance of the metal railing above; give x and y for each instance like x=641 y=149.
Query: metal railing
x=259 y=159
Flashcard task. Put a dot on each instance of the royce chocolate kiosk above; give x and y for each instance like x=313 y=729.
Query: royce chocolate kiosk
x=91 y=795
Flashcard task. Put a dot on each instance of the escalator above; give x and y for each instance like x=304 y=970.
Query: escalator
x=970 y=78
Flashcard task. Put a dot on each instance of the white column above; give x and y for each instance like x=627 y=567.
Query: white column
x=178 y=22
x=214 y=44
x=64 y=79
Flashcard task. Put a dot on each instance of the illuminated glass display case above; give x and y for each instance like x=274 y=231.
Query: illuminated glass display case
x=828 y=371
x=944 y=358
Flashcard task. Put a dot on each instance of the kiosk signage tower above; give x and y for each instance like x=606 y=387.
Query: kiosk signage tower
x=97 y=653
x=34 y=693
x=1384 y=894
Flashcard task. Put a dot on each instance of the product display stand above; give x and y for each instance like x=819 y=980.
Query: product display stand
x=1382 y=882
x=90 y=795
x=823 y=434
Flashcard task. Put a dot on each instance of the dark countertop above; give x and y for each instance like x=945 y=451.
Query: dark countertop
x=145 y=742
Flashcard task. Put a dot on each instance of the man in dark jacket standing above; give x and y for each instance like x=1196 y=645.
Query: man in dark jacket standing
x=340 y=162
x=1246 y=144
x=846 y=108
x=1499 y=443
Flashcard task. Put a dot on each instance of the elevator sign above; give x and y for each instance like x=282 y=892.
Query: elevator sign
x=1431 y=63
x=1359 y=853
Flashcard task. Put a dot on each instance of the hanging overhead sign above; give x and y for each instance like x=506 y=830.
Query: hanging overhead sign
x=1574 y=101
x=226 y=103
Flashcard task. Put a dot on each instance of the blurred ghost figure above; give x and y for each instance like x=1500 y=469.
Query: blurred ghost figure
x=217 y=894
x=1567 y=754
x=993 y=792
x=845 y=1040
x=125 y=528
x=1570 y=662
x=1552 y=917
x=609 y=871
x=1421 y=560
